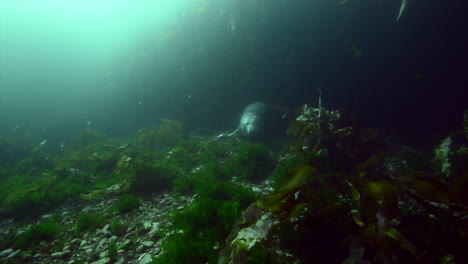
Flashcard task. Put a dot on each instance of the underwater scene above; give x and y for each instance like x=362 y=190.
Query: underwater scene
x=233 y=131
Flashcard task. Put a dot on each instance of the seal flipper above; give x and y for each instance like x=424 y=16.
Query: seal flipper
x=402 y=8
x=225 y=135
x=234 y=132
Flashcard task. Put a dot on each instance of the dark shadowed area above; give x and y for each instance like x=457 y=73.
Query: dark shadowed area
x=119 y=66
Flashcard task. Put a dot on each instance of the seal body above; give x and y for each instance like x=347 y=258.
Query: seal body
x=252 y=121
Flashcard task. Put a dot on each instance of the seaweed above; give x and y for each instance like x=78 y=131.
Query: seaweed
x=127 y=203
x=112 y=253
x=166 y=135
x=44 y=231
x=89 y=222
x=356 y=209
x=198 y=231
x=117 y=227
x=253 y=163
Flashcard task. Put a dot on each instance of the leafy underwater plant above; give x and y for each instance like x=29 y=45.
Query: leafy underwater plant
x=112 y=252
x=334 y=213
x=352 y=210
x=89 y=222
x=43 y=231
x=127 y=203
x=166 y=135
x=29 y=196
x=118 y=227
x=253 y=163
x=198 y=231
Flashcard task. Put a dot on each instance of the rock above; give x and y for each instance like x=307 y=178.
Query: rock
x=103 y=254
x=105 y=230
x=155 y=229
x=121 y=261
x=157 y=251
x=159 y=243
x=102 y=242
x=147 y=224
x=144 y=259
x=20 y=232
x=5 y=252
x=102 y=261
x=129 y=229
x=88 y=247
x=83 y=242
x=57 y=254
x=140 y=248
x=47 y=216
x=147 y=243
x=27 y=257
x=66 y=253
x=13 y=254
x=126 y=243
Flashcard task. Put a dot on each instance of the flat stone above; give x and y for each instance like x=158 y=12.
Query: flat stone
x=102 y=261
x=147 y=224
x=140 y=248
x=103 y=254
x=102 y=242
x=88 y=247
x=27 y=257
x=144 y=259
x=157 y=251
x=155 y=228
x=83 y=242
x=121 y=261
x=5 y=252
x=105 y=229
x=20 y=232
x=57 y=254
x=13 y=254
x=147 y=243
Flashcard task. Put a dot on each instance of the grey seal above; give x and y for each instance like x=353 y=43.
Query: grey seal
x=252 y=122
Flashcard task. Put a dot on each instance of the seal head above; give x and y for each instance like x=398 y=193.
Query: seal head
x=252 y=120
